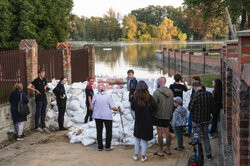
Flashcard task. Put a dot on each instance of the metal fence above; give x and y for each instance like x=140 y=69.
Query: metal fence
x=79 y=65
x=12 y=70
x=52 y=62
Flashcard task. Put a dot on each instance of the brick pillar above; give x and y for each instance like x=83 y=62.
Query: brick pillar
x=66 y=50
x=91 y=59
x=31 y=49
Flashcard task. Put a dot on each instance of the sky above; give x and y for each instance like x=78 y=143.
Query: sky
x=99 y=7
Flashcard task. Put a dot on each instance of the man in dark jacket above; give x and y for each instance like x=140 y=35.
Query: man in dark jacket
x=131 y=86
x=201 y=106
x=89 y=95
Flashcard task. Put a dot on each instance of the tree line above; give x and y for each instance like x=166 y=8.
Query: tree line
x=51 y=21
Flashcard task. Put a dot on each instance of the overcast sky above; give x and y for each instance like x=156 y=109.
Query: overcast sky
x=99 y=7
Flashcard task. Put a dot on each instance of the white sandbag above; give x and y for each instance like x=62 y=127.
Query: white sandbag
x=73 y=105
x=75 y=92
x=117 y=118
x=90 y=133
x=82 y=104
x=91 y=124
x=88 y=141
x=125 y=96
x=53 y=103
x=129 y=117
x=79 y=85
x=126 y=104
x=77 y=119
x=116 y=133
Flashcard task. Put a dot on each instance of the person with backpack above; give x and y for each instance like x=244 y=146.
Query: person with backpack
x=163 y=97
x=179 y=119
x=144 y=105
x=61 y=99
x=15 y=97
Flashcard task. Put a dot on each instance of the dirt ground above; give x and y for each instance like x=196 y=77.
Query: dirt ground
x=54 y=149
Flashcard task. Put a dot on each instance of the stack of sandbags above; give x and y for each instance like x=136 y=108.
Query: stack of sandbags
x=86 y=133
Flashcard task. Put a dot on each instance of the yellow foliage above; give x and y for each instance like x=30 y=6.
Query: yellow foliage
x=166 y=30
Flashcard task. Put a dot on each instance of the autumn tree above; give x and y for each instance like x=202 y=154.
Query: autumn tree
x=129 y=30
x=166 y=30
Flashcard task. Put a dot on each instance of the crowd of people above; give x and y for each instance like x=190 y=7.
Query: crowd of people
x=164 y=109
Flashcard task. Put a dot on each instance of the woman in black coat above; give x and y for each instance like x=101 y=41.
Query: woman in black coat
x=18 y=120
x=217 y=93
x=61 y=100
x=143 y=104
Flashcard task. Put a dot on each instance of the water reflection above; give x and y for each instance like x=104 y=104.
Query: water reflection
x=138 y=56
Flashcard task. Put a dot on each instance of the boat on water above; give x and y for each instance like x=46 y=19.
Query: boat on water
x=107 y=49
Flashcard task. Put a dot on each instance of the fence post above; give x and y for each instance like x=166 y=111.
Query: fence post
x=31 y=53
x=66 y=51
x=204 y=55
x=182 y=52
x=91 y=59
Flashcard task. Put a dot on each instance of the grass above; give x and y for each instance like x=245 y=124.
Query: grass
x=207 y=80
x=216 y=55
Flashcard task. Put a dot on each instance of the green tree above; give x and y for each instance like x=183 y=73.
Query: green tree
x=45 y=21
x=215 y=8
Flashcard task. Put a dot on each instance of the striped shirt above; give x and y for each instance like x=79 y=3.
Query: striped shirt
x=201 y=105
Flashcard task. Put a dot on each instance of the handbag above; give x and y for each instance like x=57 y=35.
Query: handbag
x=22 y=107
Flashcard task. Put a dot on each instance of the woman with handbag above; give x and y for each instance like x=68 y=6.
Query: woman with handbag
x=16 y=97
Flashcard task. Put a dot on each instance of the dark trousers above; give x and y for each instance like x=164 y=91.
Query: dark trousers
x=179 y=136
x=88 y=115
x=40 y=112
x=99 y=128
x=61 y=116
x=216 y=115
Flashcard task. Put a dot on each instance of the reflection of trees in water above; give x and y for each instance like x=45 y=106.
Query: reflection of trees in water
x=139 y=55
x=109 y=57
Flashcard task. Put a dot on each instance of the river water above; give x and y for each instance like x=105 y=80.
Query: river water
x=113 y=59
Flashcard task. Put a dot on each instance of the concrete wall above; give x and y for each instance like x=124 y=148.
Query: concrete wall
x=6 y=121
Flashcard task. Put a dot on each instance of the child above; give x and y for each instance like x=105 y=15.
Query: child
x=131 y=86
x=178 y=121
x=177 y=87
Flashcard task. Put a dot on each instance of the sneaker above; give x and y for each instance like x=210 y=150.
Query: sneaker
x=19 y=138
x=110 y=148
x=39 y=130
x=100 y=149
x=211 y=136
x=209 y=157
x=135 y=158
x=144 y=159
x=46 y=130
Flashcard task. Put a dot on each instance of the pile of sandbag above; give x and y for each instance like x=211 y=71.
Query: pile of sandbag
x=76 y=111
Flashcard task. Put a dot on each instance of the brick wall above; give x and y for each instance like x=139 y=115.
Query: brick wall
x=235 y=61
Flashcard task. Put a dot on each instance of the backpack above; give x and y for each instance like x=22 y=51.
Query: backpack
x=22 y=107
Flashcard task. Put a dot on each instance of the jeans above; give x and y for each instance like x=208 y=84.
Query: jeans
x=137 y=146
x=204 y=131
x=88 y=115
x=99 y=128
x=19 y=128
x=179 y=136
x=61 y=117
x=190 y=123
x=40 y=111
x=214 y=121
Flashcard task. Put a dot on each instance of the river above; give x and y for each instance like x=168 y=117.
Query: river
x=122 y=56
